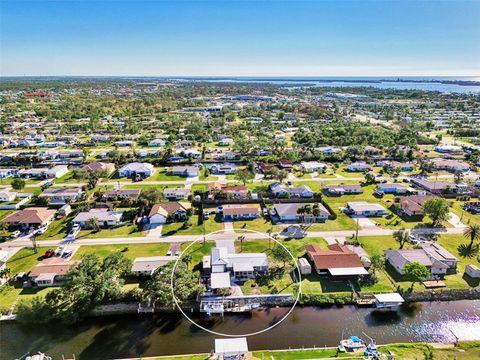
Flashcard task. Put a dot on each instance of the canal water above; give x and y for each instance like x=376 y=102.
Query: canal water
x=166 y=334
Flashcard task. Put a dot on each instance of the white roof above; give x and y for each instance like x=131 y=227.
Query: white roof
x=390 y=297
x=348 y=271
x=231 y=346
x=364 y=206
x=220 y=280
x=45 y=277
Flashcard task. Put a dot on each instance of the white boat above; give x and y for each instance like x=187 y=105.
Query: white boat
x=352 y=344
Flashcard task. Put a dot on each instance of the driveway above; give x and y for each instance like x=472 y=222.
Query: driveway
x=455 y=221
x=365 y=223
x=155 y=230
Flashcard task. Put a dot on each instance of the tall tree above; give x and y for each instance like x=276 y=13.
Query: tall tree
x=415 y=272
x=437 y=209
x=401 y=237
x=472 y=232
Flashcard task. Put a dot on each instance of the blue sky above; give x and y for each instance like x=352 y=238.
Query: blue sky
x=228 y=37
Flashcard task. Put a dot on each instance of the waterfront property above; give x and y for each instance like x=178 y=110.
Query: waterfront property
x=338 y=261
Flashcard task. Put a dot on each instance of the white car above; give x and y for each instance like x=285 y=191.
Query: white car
x=41 y=230
x=15 y=234
x=169 y=253
x=59 y=251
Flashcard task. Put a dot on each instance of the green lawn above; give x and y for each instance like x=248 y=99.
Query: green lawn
x=202 y=176
x=69 y=178
x=198 y=250
x=211 y=225
x=199 y=187
x=142 y=187
x=25 y=259
x=4 y=213
x=131 y=251
x=161 y=175
x=57 y=229
x=375 y=245
x=121 y=231
x=9 y=293
x=260 y=224
x=466 y=217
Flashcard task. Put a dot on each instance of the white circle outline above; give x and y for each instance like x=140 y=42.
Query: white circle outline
x=239 y=335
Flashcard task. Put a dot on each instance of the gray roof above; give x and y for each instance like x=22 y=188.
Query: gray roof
x=291 y=209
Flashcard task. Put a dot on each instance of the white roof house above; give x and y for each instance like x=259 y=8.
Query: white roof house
x=310 y=166
x=146 y=169
x=243 y=265
x=103 y=216
x=147 y=265
x=366 y=209
x=220 y=280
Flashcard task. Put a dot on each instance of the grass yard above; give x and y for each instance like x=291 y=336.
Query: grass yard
x=142 y=187
x=198 y=250
x=130 y=251
x=5 y=213
x=57 y=229
x=466 y=217
x=69 y=178
x=202 y=176
x=375 y=245
x=342 y=222
x=199 y=187
x=161 y=175
x=10 y=293
x=116 y=232
x=260 y=224
x=211 y=225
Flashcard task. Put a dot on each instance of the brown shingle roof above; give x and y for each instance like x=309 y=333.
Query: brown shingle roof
x=166 y=208
x=32 y=215
x=337 y=256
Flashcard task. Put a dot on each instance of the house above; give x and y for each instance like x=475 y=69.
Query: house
x=394 y=188
x=164 y=212
x=449 y=149
x=136 y=168
x=50 y=272
x=105 y=167
x=222 y=169
x=402 y=166
x=441 y=187
x=359 y=167
x=124 y=143
x=122 y=194
x=290 y=212
x=6 y=173
x=58 y=195
x=265 y=167
x=103 y=218
x=450 y=165
x=34 y=216
x=313 y=166
x=436 y=252
x=38 y=173
x=280 y=190
x=242 y=266
x=328 y=150
x=176 y=193
x=239 y=212
x=399 y=258
x=156 y=143
x=413 y=205
x=217 y=190
x=363 y=208
x=187 y=171
x=285 y=164
x=6 y=196
x=225 y=142
x=56 y=172
x=342 y=189
x=146 y=266
x=337 y=261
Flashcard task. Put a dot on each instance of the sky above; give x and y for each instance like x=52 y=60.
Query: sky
x=240 y=38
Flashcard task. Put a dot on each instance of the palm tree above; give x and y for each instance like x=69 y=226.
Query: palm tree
x=401 y=236
x=187 y=259
x=241 y=238
x=93 y=222
x=3 y=226
x=473 y=233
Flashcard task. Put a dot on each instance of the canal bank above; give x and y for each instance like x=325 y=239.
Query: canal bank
x=464 y=350
x=146 y=335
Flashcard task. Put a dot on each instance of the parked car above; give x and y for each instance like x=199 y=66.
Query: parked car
x=49 y=253
x=41 y=230
x=177 y=253
x=169 y=253
x=67 y=254
x=15 y=234
x=59 y=251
